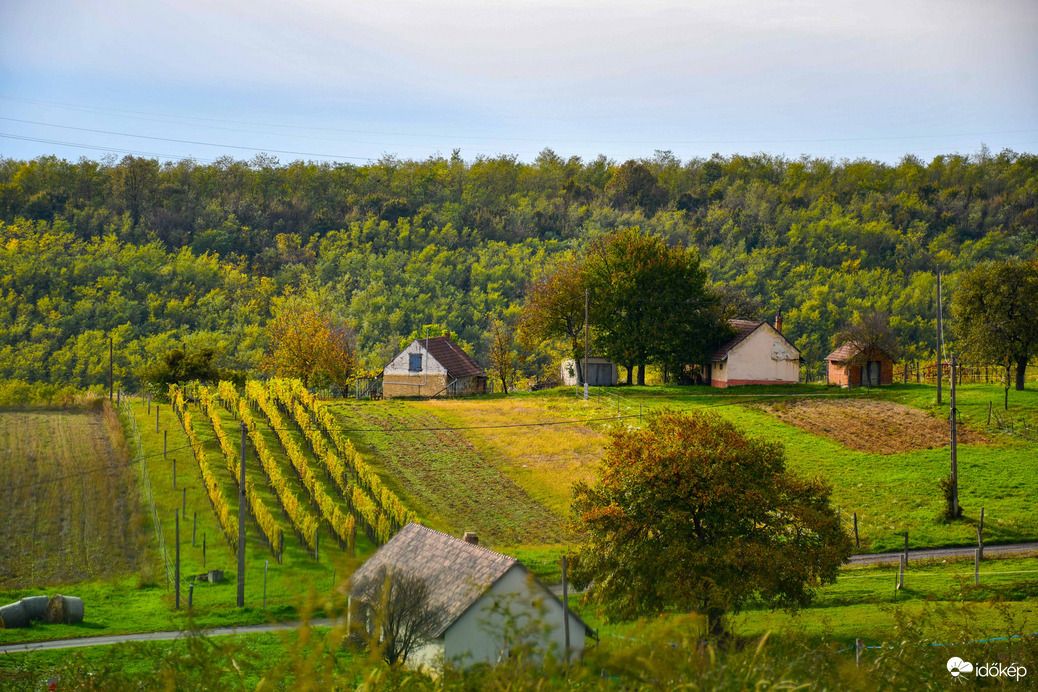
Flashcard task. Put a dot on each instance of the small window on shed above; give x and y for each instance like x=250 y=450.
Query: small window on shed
x=416 y=362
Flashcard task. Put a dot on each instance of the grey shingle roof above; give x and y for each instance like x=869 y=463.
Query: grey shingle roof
x=452 y=357
x=457 y=573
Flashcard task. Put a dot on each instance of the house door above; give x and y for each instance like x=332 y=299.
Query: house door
x=870 y=374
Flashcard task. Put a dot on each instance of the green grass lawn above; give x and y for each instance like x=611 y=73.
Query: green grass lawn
x=863 y=603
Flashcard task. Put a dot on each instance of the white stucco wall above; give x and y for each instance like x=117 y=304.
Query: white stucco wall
x=763 y=356
x=401 y=364
x=525 y=611
x=569 y=370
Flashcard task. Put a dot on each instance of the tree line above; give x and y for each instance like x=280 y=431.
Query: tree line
x=160 y=255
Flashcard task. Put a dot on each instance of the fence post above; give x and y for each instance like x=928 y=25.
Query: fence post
x=859 y=646
x=183 y=506
x=203 y=551
x=901 y=572
x=266 y=564
x=976 y=567
x=194 y=527
x=176 y=574
x=156 y=419
x=857 y=543
x=190 y=595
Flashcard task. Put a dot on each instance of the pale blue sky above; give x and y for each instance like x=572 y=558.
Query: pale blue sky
x=326 y=79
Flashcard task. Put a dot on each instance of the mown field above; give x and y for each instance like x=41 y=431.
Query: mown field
x=69 y=497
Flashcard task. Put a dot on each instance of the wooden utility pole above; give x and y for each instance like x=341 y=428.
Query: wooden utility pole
x=940 y=329
x=954 y=450
x=565 y=608
x=241 y=522
x=587 y=310
x=111 y=377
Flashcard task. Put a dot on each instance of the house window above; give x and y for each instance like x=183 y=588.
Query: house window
x=416 y=362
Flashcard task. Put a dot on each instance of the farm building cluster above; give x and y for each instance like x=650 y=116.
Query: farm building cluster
x=758 y=354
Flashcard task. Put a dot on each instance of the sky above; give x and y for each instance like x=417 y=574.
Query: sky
x=333 y=80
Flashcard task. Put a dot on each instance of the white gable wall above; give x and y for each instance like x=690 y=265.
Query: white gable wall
x=516 y=607
x=764 y=357
x=402 y=363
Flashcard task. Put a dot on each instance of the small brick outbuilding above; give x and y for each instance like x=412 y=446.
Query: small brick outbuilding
x=851 y=366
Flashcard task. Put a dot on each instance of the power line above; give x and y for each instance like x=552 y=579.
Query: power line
x=187 y=141
x=94 y=147
x=513 y=138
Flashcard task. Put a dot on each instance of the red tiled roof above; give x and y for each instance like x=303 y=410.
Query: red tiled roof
x=847 y=351
x=450 y=356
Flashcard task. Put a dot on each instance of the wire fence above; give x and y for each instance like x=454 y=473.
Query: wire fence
x=142 y=464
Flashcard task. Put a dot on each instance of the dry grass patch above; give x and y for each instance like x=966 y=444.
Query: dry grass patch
x=545 y=460
x=868 y=425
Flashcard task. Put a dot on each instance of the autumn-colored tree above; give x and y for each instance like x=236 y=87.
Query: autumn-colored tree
x=692 y=514
x=555 y=308
x=503 y=353
x=305 y=342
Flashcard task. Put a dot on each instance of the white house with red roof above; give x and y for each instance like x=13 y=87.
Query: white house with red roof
x=757 y=354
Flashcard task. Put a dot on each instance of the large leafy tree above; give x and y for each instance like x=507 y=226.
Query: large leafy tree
x=650 y=302
x=690 y=513
x=996 y=314
x=872 y=337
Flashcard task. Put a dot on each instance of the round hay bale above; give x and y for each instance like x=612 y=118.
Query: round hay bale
x=74 y=609
x=64 y=610
x=14 y=615
x=35 y=606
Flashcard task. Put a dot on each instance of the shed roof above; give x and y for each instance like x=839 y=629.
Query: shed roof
x=451 y=356
x=457 y=573
x=848 y=350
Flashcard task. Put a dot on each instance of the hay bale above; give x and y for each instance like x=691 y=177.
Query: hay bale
x=14 y=615
x=35 y=606
x=66 y=610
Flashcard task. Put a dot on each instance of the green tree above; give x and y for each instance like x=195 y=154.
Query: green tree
x=692 y=514
x=555 y=308
x=651 y=303
x=996 y=315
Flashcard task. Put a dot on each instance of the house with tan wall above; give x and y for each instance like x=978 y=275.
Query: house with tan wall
x=757 y=354
x=432 y=367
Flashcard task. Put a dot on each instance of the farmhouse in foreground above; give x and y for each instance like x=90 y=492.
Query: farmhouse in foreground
x=757 y=354
x=487 y=602
x=850 y=366
x=433 y=367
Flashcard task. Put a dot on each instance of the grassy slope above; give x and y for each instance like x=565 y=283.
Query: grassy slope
x=442 y=476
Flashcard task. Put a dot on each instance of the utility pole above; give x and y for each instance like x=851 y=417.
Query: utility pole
x=111 y=378
x=587 y=304
x=176 y=576
x=954 y=451
x=565 y=608
x=940 y=330
x=241 y=522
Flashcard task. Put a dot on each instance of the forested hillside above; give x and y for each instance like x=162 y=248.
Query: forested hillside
x=156 y=255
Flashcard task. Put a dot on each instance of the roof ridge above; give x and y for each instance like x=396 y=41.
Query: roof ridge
x=462 y=540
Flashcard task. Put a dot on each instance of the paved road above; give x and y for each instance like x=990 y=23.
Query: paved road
x=937 y=553
x=152 y=636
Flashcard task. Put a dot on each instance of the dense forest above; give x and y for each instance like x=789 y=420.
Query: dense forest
x=156 y=255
